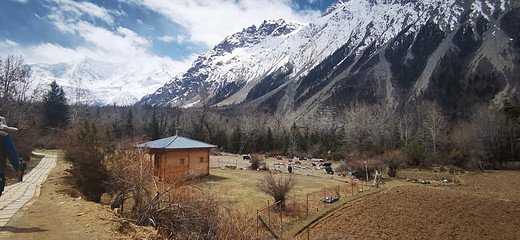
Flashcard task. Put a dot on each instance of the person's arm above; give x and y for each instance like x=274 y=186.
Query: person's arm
x=11 y=152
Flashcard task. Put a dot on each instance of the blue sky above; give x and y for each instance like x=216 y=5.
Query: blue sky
x=172 y=31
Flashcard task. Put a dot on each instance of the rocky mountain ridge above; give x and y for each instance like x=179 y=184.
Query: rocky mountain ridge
x=456 y=53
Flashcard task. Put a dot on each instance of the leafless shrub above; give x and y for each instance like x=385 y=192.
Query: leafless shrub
x=342 y=168
x=257 y=161
x=187 y=212
x=394 y=159
x=277 y=187
x=131 y=174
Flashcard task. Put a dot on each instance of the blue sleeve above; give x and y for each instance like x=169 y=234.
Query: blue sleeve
x=11 y=152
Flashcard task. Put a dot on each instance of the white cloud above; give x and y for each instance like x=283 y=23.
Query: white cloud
x=20 y=1
x=210 y=22
x=8 y=43
x=168 y=39
x=71 y=10
x=123 y=43
x=118 y=44
x=48 y=53
x=43 y=53
x=121 y=46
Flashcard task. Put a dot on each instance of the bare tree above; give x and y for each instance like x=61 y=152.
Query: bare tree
x=465 y=141
x=407 y=124
x=14 y=78
x=277 y=187
x=200 y=121
x=435 y=126
x=80 y=98
x=494 y=135
x=366 y=126
x=252 y=124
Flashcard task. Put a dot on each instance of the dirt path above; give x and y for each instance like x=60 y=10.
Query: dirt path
x=485 y=206
x=60 y=213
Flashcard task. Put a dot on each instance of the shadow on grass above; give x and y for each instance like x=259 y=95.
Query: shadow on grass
x=212 y=178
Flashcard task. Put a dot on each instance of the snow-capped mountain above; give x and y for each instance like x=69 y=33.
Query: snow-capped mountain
x=90 y=81
x=451 y=51
x=227 y=67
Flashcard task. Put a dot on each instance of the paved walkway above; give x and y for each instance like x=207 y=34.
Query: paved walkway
x=17 y=195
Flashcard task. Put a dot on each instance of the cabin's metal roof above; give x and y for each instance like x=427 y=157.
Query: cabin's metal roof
x=176 y=142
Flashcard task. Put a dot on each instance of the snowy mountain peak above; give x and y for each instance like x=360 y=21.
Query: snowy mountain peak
x=334 y=6
x=94 y=82
x=379 y=50
x=253 y=35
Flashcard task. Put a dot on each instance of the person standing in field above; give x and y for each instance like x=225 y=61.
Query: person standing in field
x=7 y=150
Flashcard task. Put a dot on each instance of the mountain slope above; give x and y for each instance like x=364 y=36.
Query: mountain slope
x=89 y=81
x=453 y=52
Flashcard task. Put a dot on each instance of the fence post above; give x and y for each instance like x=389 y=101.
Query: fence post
x=268 y=214
x=281 y=224
x=366 y=173
x=309 y=232
x=352 y=185
x=307 y=204
x=256 y=223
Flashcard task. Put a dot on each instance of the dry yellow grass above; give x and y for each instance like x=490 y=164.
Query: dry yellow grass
x=239 y=187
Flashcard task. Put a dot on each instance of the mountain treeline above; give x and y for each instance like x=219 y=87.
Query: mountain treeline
x=481 y=137
x=421 y=132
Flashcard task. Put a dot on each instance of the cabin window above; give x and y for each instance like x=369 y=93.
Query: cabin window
x=181 y=161
x=201 y=159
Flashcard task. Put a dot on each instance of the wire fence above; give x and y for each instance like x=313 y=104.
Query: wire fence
x=271 y=221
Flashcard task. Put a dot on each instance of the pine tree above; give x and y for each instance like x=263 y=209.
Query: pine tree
x=153 y=128
x=235 y=140
x=129 y=125
x=55 y=106
x=269 y=143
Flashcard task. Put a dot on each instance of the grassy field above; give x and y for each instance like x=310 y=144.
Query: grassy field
x=239 y=187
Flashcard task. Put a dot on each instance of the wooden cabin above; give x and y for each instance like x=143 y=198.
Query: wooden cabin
x=177 y=156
